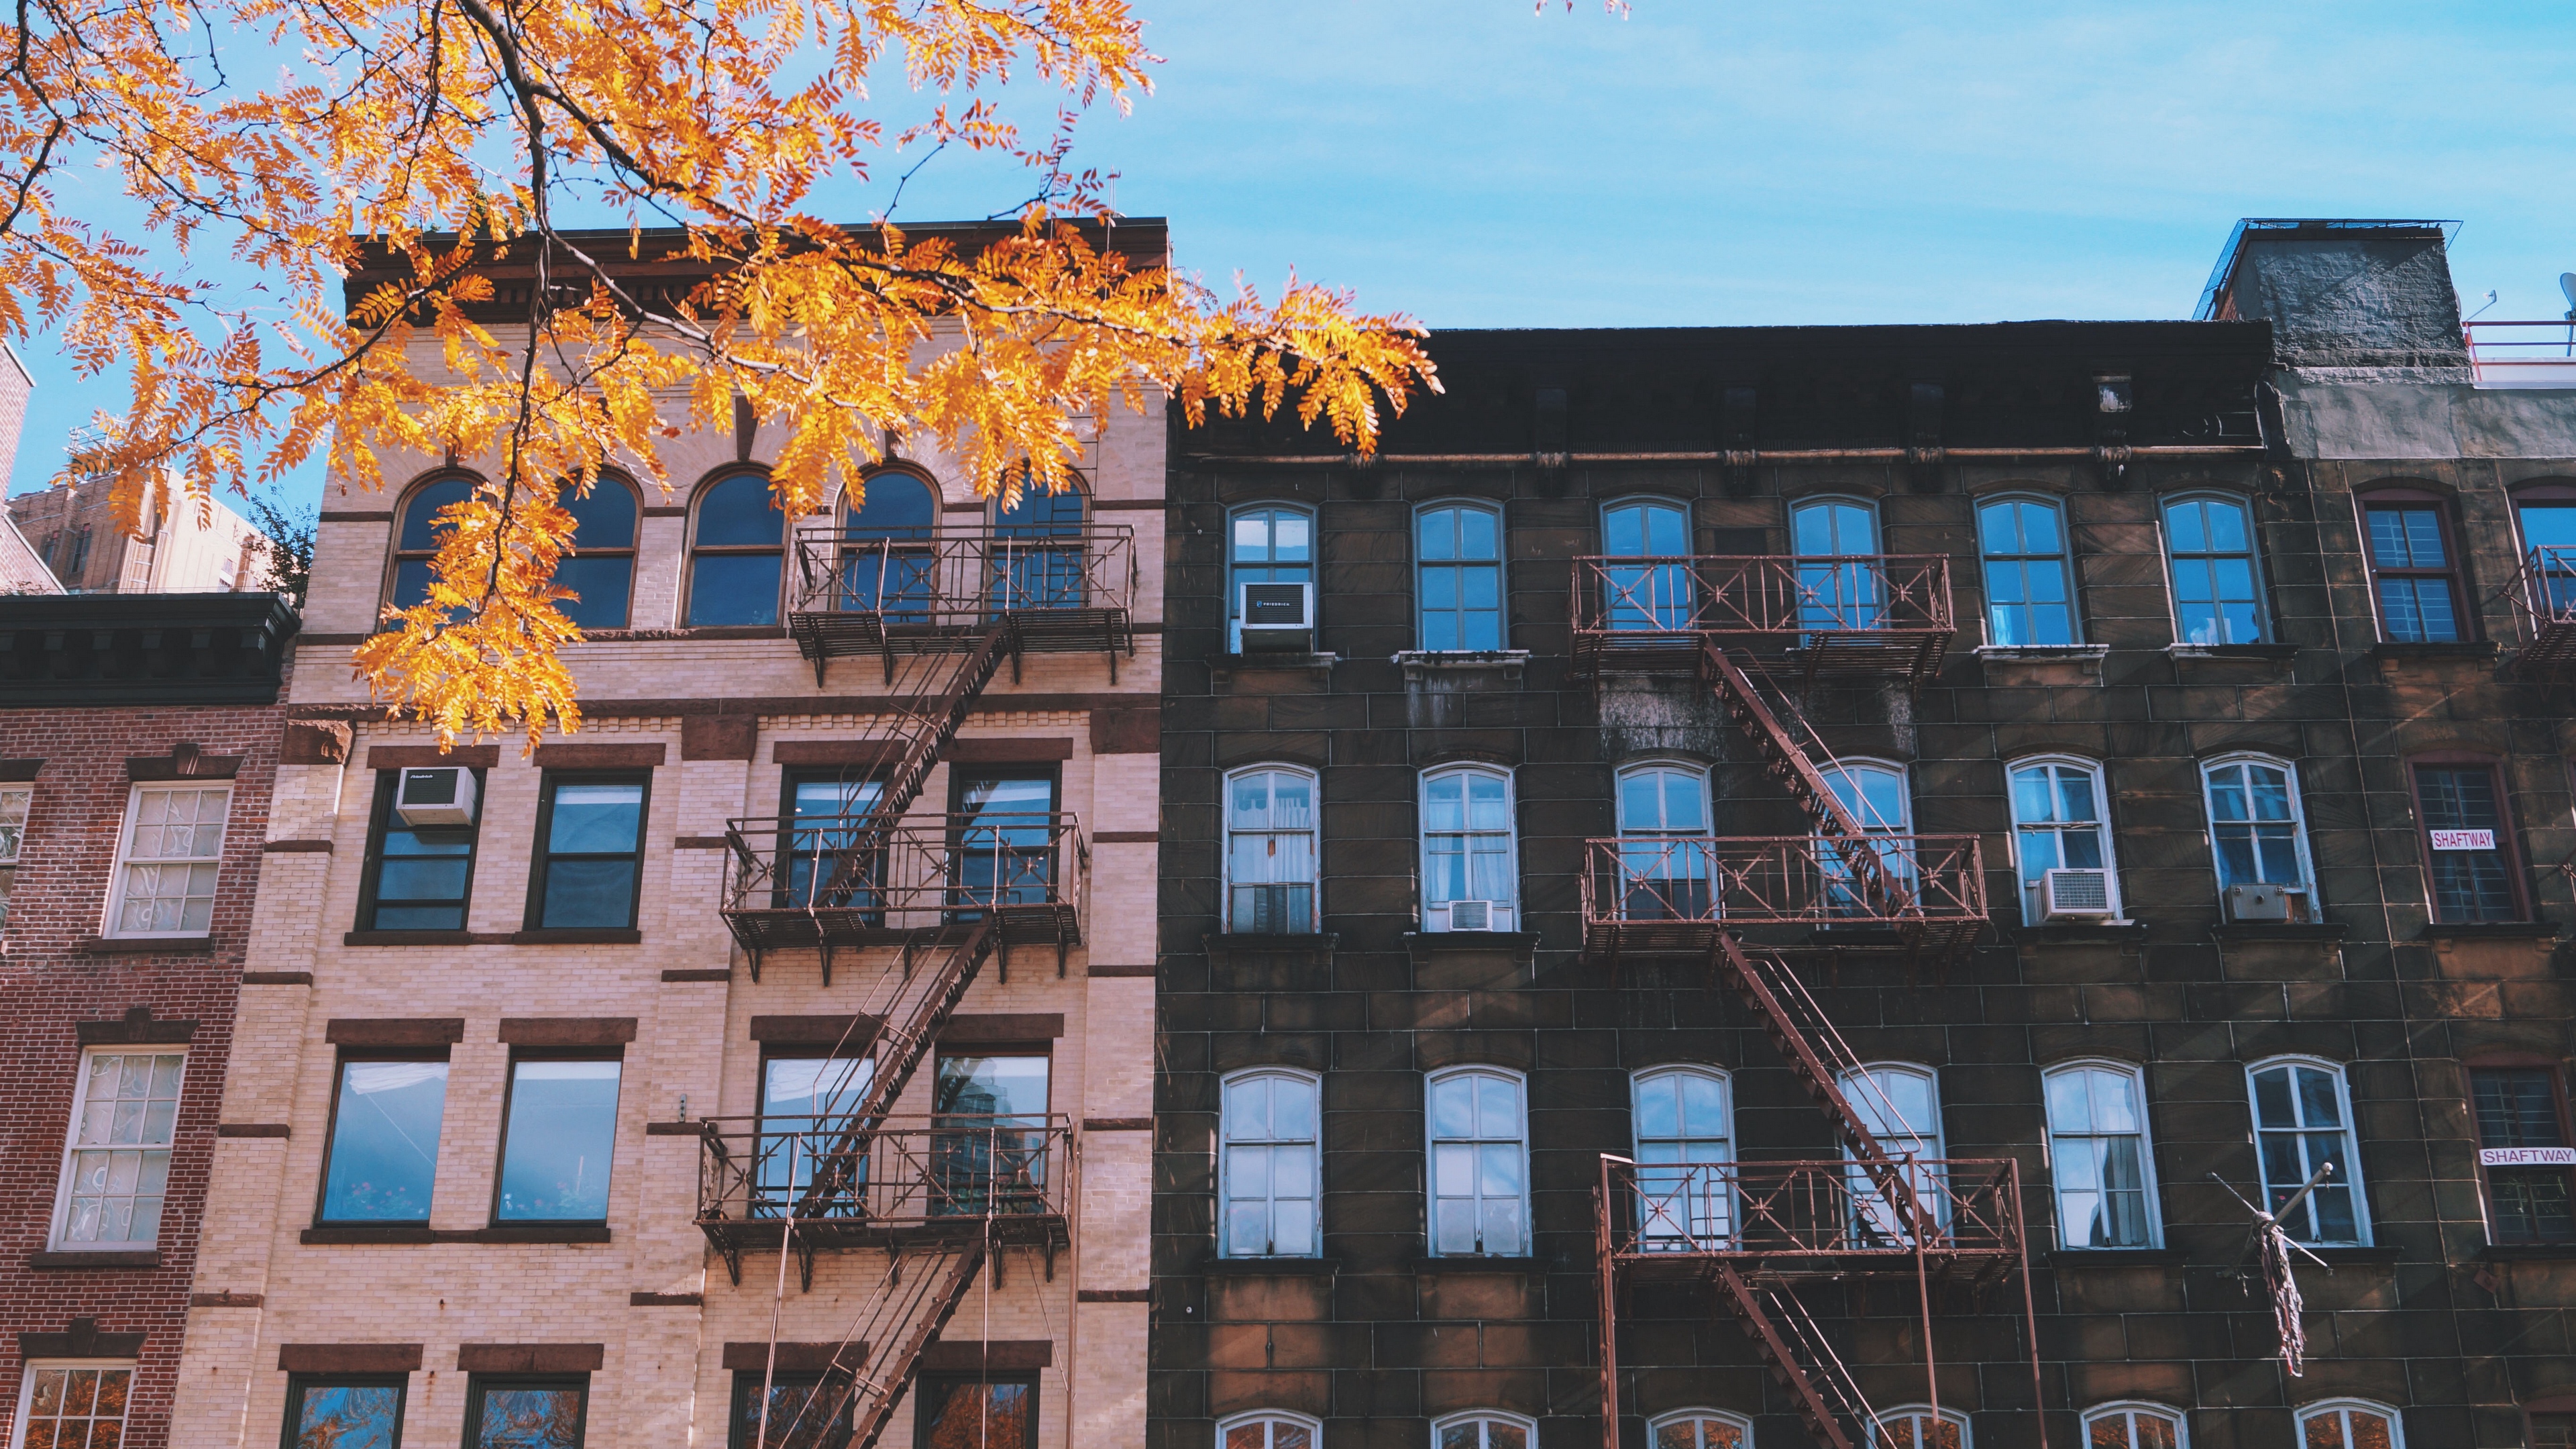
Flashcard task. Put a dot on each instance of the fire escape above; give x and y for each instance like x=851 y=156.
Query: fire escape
x=2545 y=590
x=1763 y=1236
x=921 y=900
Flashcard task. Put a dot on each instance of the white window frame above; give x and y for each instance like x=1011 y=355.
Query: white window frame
x=2298 y=817
x=2321 y=1408
x=1314 y=843
x=127 y=861
x=2165 y=1414
x=2351 y=1146
x=1500 y=564
x=1271 y=1420
x=1226 y=1247
x=1915 y=1414
x=57 y=1236
x=35 y=1366
x=1711 y=1216
x=2029 y=891
x=2263 y=626
x=1484 y=1420
x=1506 y=913
x=1740 y=1424
x=1431 y=1142
x=2136 y=1077
x=16 y=801
x=1314 y=562
x=1931 y=1185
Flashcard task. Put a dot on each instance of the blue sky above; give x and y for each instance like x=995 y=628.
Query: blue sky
x=1475 y=164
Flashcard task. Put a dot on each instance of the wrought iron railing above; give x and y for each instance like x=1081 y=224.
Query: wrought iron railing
x=927 y=1173
x=1763 y=594
x=1790 y=879
x=918 y=872
x=2508 y=353
x=2547 y=586
x=959 y=580
x=1786 y=1210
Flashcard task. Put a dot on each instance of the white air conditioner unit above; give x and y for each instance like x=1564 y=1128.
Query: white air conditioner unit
x=2075 y=895
x=1472 y=916
x=437 y=796
x=1276 y=616
x=2262 y=901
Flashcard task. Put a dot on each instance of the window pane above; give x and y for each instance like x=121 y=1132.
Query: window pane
x=977 y=1416
x=596 y=819
x=978 y=1087
x=421 y=531
x=348 y=1416
x=529 y=1417
x=805 y=1412
x=591 y=893
x=384 y=1142
x=740 y=511
x=118 y=1166
x=562 y=1136
x=734 y=589
x=76 y=1408
x=600 y=586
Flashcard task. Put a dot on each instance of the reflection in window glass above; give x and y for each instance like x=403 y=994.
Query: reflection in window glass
x=1479 y=1166
x=1695 y=1429
x=421 y=536
x=1683 y=1127
x=2300 y=1126
x=346 y=1414
x=593 y=857
x=2132 y=1426
x=2024 y=548
x=117 y=1168
x=76 y=1406
x=1269 y=545
x=419 y=877
x=1461 y=577
x=1265 y=1431
x=526 y=1414
x=1005 y=845
x=2097 y=1130
x=1481 y=1431
x=2348 y=1426
x=2058 y=825
x=1269 y=1178
x=805 y=1412
x=1919 y=1429
x=800 y=1098
x=736 y=557
x=1647 y=596
x=600 y=569
x=2217 y=598
x=559 y=1142
x=888 y=560
x=2549 y=543
x=2254 y=824
x=384 y=1142
x=978 y=1162
x=2410 y=565
x=1901 y=1107
x=963 y=1414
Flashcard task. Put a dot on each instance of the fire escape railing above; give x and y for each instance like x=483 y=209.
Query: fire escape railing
x=896 y=592
x=849 y=880
x=906 y=1180
x=2545 y=592
x=1811 y=1216
x=1861 y=615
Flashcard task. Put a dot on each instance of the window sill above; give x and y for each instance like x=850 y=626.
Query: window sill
x=1521 y=942
x=2044 y=653
x=2117 y=1258
x=2355 y=1255
x=2490 y=931
x=2278 y=931
x=415 y=1235
x=407 y=938
x=1258 y=941
x=1465 y=1263
x=1417 y=663
x=2468 y=649
x=147 y=946
x=2232 y=651
x=578 y=936
x=138 y=1258
x=1287 y=659
x=2527 y=1252
x=2101 y=931
x=1269 y=1267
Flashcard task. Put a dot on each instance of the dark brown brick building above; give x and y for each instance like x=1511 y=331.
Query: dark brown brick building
x=2085 y=757
x=139 y=737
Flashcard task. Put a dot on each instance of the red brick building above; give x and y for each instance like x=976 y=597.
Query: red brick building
x=139 y=737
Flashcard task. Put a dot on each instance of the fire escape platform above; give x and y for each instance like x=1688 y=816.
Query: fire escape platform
x=1061 y=593
x=1849 y=620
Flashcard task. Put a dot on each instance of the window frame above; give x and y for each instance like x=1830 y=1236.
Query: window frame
x=2027 y=891
x=125 y=860
x=1234 y=568
x=1431 y=1141
x=2298 y=819
x=1485 y=1419
x=922 y=1401
x=1315 y=846
x=131 y=1368
x=1511 y=834
x=2265 y=629
x=1928 y=1182
x=478 y=1385
x=2558 y=1101
x=1712 y=1209
x=1739 y=1423
x=695 y=550
x=2172 y=1417
x=17 y=807
x=2455 y=576
x=380 y=825
x=1666 y=501
x=396 y=555
x=1916 y=1413
x=331 y=1132
x=2508 y=844
x=1863 y=503
x=57 y=1237
x=1499 y=563
x=2136 y=1076
x=2396 y=1418
x=746 y=1385
x=2364 y=1232
x=541 y=859
x=960 y=824
x=631 y=551
x=1225 y=1146
x=2064 y=557
x=501 y=1147
x=1273 y=1419
x=300 y=1384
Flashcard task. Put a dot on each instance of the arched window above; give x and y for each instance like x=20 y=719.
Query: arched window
x=736 y=553
x=1647 y=595
x=2030 y=599
x=2256 y=829
x=1666 y=858
x=1917 y=1426
x=1037 y=546
x=1700 y=1429
x=1838 y=579
x=1458 y=576
x=1470 y=868
x=888 y=548
x=1685 y=1135
x=1270 y=851
x=2303 y=1122
x=2134 y=1426
x=600 y=568
x=1875 y=793
x=2217 y=587
x=1269 y=1429
x=1479 y=1164
x=1267 y=543
x=1484 y=1429
x=1269 y=1181
x=2546 y=516
x=2350 y=1424
x=2099 y=1157
x=1900 y=1104
x=417 y=536
x=2060 y=826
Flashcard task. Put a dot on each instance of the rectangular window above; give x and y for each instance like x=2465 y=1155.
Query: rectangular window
x=995 y=1412
x=2098 y=1157
x=526 y=1413
x=821 y=840
x=1270 y=852
x=362 y=1412
x=2466 y=844
x=806 y=1411
x=558 y=1141
x=1479 y=1166
x=2023 y=544
x=74 y=1404
x=168 y=859
x=1269 y=1174
x=802 y=1099
x=2302 y=1123
x=383 y=1152
x=116 y=1166
x=1460 y=575
x=416 y=877
x=2413 y=574
x=13 y=828
x=1005 y=850
x=590 y=852
x=988 y=1150
x=2217 y=592
x=2523 y=1152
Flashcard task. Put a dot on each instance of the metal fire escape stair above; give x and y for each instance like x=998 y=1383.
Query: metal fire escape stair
x=1793 y=1349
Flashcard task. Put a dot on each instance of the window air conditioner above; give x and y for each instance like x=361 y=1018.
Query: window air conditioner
x=2261 y=901
x=2075 y=895
x=1276 y=616
x=441 y=795
x=1474 y=916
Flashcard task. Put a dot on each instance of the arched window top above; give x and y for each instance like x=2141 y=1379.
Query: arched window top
x=1699 y=1429
x=2422 y=490
x=1833 y=525
x=1040 y=514
x=1663 y=797
x=1918 y=1426
x=1682 y=1100
x=893 y=504
x=2135 y=1424
x=420 y=528
x=1270 y=797
x=2323 y=1064
x=1484 y=1429
x=740 y=510
x=1645 y=527
x=2536 y=489
x=1269 y=1429
x=2302 y=1107
x=1874 y=791
x=1477 y=524
x=1274 y=1073
x=605 y=516
x=1270 y=533
x=2020 y=523
x=2351 y=1424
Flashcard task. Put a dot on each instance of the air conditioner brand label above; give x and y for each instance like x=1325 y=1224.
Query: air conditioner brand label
x=2463 y=839
x=2527 y=1156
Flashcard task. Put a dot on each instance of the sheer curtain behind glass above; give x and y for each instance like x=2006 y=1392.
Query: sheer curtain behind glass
x=1467 y=862
x=1270 y=852
x=2097 y=1135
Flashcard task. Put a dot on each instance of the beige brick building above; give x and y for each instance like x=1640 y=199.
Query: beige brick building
x=680 y=952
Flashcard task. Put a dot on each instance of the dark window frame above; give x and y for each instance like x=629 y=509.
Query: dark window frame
x=958 y=776
x=2455 y=576
x=1235 y=568
x=696 y=550
x=331 y=1129
x=922 y=1401
x=395 y=554
x=541 y=859
x=1500 y=563
x=298 y=1384
x=501 y=1148
x=782 y=892
x=2509 y=845
x=477 y=1385
x=742 y=1428
x=2478 y=1062
x=380 y=824
x=607 y=478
